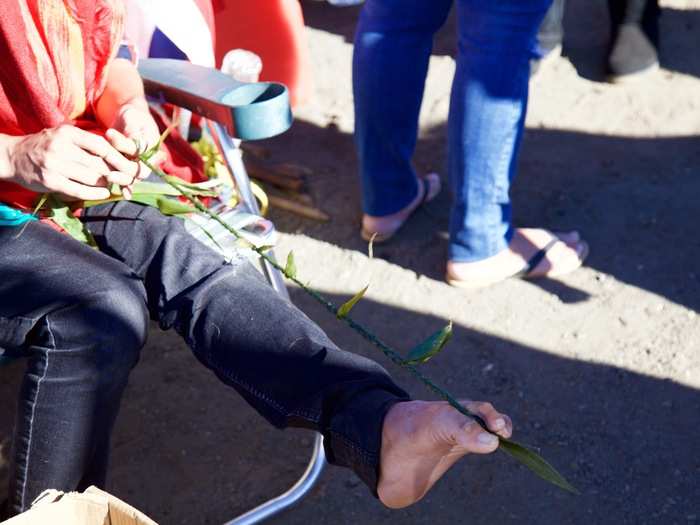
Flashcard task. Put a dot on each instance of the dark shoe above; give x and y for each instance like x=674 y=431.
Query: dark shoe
x=632 y=55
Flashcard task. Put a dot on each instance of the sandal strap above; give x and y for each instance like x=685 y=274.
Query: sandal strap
x=426 y=190
x=536 y=259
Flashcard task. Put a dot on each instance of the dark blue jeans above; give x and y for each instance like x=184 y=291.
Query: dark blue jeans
x=487 y=109
x=81 y=317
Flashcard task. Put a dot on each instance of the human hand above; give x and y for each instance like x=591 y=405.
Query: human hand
x=70 y=161
x=134 y=121
x=133 y=132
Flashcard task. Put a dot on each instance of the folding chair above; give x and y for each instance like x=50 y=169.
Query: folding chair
x=238 y=112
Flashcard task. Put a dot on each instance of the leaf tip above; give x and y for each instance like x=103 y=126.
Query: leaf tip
x=290 y=269
x=345 y=308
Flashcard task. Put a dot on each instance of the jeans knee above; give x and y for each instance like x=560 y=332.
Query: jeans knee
x=110 y=323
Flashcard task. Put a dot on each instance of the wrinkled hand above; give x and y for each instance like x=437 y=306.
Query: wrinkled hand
x=70 y=161
x=133 y=132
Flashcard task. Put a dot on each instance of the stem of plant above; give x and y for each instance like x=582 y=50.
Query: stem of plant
x=354 y=325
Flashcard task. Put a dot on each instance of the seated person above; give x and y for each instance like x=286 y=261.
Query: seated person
x=70 y=115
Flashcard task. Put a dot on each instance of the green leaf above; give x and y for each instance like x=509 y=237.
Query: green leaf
x=35 y=213
x=159 y=188
x=149 y=153
x=40 y=204
x=148 y=193
x=344 y=310
x=290 y=269
x=114 y=198
x=154 y=188
x=62 y=215
x=431 y=346
x=536 y=464
x=166 y=205
x=196 y=188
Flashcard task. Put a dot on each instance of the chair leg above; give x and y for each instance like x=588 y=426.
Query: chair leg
x=293 y=495
x=231 y=151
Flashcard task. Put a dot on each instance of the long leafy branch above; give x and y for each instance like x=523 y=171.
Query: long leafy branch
x=420 y=354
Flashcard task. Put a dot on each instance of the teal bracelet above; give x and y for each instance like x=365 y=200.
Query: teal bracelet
x=13 y=217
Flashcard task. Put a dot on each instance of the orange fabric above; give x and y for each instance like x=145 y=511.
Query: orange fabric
x=273 y=29
x=54 y=56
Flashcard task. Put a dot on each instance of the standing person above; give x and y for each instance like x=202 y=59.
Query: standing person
x=70 y=117
x=634 y=37
x=487 y=114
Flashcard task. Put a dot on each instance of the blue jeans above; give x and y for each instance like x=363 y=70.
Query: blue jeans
x=81 y=317
x=487 y=109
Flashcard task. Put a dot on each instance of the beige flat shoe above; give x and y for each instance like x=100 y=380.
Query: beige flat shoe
x=527 y=272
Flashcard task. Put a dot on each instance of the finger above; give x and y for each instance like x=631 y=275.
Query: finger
x=81 y=191
x=122 y=143
x=100 y=147
x=99 y=170
x=80 y=156
x=495 y=421
x=475 y=439
x=144 y=172
x=127 y=192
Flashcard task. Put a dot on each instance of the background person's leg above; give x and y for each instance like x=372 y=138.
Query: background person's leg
x=392 y=48
x=634 y=38
x=80 y=318
x=487 y=116
x=253 y=340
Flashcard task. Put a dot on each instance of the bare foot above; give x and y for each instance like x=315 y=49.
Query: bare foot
x=387 y=225
x=566 y=254
x=421 y=440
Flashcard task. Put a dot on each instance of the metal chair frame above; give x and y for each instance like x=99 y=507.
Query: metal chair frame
x=231 y=151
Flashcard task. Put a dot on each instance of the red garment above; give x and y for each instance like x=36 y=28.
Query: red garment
x=54 y=56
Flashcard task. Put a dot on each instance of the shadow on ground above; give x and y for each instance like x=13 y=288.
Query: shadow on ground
x=188 y=450
x=633 y=199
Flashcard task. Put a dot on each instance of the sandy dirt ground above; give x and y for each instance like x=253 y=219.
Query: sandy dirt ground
x=600 y=369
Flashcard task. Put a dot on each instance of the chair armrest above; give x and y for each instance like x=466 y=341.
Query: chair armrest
x=248 y=111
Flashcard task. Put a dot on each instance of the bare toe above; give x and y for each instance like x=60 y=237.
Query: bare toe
x=497 y=422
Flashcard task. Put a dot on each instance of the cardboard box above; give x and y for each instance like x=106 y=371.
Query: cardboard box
x=92 y=507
